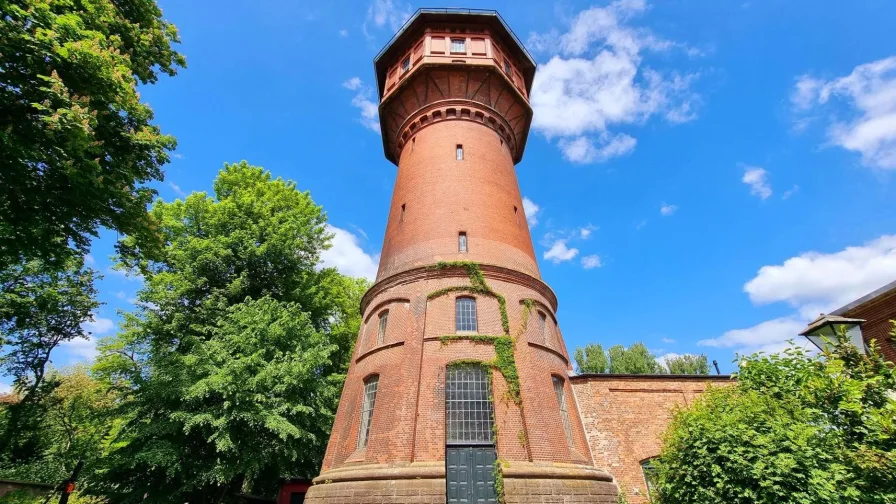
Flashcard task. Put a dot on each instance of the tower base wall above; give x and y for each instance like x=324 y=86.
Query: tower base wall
x=424 y=483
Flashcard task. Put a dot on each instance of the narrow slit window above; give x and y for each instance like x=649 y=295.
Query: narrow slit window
x=544 y=326
x=461 y=242
x=560 y=391
x=458 y=46
x=381 y=329
x=465 y=315
x=401 y=217
x=460 y=152
x=370 y=386
x=516 y=215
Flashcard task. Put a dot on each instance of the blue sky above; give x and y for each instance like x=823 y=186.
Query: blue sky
x=702 y=175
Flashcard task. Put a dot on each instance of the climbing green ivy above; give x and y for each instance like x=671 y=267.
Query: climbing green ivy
x=498 y=475
x=477 y=286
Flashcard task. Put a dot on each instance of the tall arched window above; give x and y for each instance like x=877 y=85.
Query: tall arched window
x=560 y=391
x=465 y=315
x=367 y=402
x=381 y=328
x=543 y=319
x=468 y=405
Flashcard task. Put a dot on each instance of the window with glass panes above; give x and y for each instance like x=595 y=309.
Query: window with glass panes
x=367 y=402
x=458 y=46
x=406 y=64
x=649 y=470
x=381 y=330
x=465 y=314
x=461 y=242
x=468 y=407
x=561 y=400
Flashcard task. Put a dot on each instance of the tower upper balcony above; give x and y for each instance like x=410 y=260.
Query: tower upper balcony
x=442 y=57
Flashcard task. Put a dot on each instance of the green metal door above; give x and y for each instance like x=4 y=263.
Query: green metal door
x=470 y=474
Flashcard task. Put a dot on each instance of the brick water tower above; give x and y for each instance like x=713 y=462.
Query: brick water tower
x=458 y=388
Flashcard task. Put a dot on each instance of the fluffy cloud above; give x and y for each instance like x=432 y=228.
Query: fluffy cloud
x=98 y=326
x=531 y=211
x=362 y=101
x=816 y=282
x=79 y=348
x=667 y=210
x=869 y=95
x=757 y=179
x=346 y=255
x=596 y=79
x=591 y=261
x=811 y=283
x=770 y=336
x=559 y=252
x=385 y=14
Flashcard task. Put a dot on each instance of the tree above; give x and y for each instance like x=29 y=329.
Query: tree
x=688 y=364
x=635 y=359
x=76 y=142
x=75 y=416
x=794 y=429
x=591 y=359
x=42 y=306
x=234 y=361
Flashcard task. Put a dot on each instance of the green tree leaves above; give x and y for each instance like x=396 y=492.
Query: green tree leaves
x=234 y=362
x=794 y=429
x=76 y=142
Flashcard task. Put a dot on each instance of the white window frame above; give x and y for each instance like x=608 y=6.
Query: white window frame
x=461 y=44
x=368 y=402
x=382 y=324
x=462 y=324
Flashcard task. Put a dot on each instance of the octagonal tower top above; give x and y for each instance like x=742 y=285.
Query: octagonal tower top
x=472 y=47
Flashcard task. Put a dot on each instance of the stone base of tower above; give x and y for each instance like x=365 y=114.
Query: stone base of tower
x=424 y=483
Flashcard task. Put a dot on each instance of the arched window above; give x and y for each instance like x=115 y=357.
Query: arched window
x=367 y=402
x=543 y=319
x=381 y=328
x=560 y=391
x=468 y=407
x=649 y=470
x=465 y=315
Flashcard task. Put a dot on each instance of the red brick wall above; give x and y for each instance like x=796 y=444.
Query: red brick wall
x=626 y=416
x=443 y=196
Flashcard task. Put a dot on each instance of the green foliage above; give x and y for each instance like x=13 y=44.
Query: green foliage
x=635 y=359
x=75 y=415
x=234 y=362
x=477 y=286
x=688 y=364
x=591 y=359
x=77 y=143
x=794 y=429
x=41 y=306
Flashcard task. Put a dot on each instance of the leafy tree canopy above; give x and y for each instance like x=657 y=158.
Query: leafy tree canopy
x=233 y=364
x=76 y=142
x=794 y=429
x=636 y=359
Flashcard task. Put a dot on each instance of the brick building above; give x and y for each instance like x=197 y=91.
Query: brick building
x=867 y=318
x=459 y=389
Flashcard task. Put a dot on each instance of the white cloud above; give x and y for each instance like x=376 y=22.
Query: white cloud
x=667 y=340
x=346 y=255
x=591 y=261
x=826 y=281
x=639 y=226
x=559 y=252
x=770 y=336
x=5 y=388
x=666 y=210
x=362 y=101
x=531 y=211
x=869 y=93
x=582 y=149
x=790 y=192
x=98 y=326
x=757 y=179
x=343 y=33
x=89 y=260
x=596 y=79
x=385 y=14
x=585 y=232
x=121 y=295
x=811 y=283
x=79 y=348
x=354 y=83
x=177 y=190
